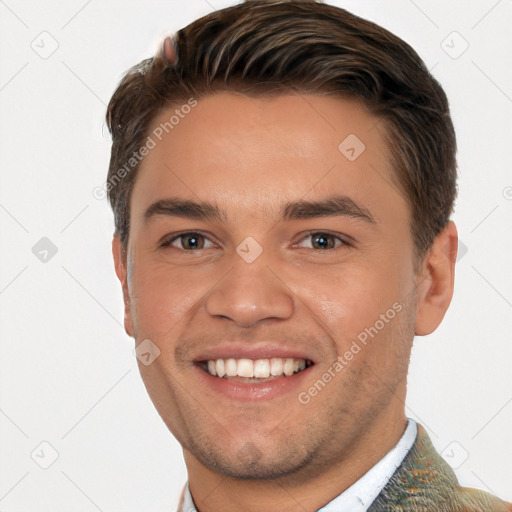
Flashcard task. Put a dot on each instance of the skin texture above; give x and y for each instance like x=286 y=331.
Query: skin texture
x=250 y=156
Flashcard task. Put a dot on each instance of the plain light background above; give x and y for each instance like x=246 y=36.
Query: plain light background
x=69 y=378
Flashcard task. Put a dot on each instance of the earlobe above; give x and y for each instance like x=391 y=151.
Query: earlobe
x=120 y=263
x=435 y=281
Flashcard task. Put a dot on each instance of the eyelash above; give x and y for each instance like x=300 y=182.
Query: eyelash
x=174 y=237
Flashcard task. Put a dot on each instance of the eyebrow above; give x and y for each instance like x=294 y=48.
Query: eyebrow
x=338 y=205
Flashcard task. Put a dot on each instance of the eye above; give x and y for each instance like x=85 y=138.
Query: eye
x=322 y=241
x=188 y=242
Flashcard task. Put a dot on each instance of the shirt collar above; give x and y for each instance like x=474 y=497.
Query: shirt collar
x=360 y=495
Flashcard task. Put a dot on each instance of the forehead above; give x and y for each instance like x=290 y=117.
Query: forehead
x=256 y=152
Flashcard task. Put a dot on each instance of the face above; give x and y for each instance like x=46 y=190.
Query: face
x=260 y=246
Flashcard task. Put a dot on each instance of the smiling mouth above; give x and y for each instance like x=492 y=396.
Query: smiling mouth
x=254 y=370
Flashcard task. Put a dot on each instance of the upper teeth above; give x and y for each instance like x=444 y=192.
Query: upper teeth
x=258 y=368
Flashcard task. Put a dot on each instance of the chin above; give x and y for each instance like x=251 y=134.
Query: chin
x=251 y=462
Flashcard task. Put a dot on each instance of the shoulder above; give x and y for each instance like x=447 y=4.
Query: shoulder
x=425 y=482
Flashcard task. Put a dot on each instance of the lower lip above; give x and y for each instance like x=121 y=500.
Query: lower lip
x=254 y=391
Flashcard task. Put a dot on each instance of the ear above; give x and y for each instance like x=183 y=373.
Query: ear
x=435 y=281
x=120 y=262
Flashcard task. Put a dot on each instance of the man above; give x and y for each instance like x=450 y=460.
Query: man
x=282 y=179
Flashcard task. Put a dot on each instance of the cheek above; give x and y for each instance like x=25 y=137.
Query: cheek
x=348 y=301
x=327 y=306
x=351 y=291
x=161 y=298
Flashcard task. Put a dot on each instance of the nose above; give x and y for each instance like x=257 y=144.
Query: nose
x=250 y=293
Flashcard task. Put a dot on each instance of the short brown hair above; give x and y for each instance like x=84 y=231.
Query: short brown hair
x=260 y=48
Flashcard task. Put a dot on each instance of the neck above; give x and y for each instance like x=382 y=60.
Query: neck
x=309 y=489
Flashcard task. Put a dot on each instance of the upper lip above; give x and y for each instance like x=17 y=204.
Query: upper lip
x=251 y=350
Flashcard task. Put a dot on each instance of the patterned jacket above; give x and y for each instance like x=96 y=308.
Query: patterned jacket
x=424 y=482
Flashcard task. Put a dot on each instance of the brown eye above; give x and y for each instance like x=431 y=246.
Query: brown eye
x=192 y=241
x=321 y=241
x=188 y=242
